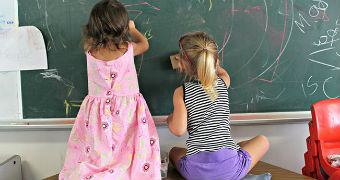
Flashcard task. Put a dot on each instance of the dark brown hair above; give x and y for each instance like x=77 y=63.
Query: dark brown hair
x=108 y=23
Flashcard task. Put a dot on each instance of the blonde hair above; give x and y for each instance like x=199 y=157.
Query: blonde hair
x=198 y=54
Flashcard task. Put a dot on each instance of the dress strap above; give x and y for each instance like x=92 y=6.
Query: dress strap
x=130 y=48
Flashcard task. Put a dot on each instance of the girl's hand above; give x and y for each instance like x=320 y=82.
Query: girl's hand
x=132 y=25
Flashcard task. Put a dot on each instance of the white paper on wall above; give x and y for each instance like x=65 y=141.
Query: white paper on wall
x=22 y=48
x=8 y=14
x=9 y=107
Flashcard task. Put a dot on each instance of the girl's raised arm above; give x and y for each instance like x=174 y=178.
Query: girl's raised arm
x=140 y=44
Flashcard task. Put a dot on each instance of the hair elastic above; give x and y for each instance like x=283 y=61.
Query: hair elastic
x=186 y=57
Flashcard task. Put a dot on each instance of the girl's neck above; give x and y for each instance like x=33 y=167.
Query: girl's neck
x=110 y=53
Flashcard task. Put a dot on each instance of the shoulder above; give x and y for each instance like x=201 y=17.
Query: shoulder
x=178 y=98
x=179 y=92
x=130 y=46
x=125 y=45
x=225 y=80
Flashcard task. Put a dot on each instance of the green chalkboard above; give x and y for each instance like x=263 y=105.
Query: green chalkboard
x=282 y=55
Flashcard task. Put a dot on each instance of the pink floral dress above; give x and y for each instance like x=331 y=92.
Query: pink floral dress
x=114 y=136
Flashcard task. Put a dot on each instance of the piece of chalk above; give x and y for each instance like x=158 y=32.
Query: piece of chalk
x=174 y=61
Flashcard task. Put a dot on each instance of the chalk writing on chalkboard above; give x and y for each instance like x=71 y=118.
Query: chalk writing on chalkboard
x=325 y=44
x=53 y=74
x=139 y=11
x=70 y=103
x=281 y=55
x=282 y=46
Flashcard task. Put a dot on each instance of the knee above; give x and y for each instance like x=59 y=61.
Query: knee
x=173 y=151
x=264 y=140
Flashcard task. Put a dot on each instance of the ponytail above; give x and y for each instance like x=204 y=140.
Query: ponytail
x=199 y=56
x=206 y=73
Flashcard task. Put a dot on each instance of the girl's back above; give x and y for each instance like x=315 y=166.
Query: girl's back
x=114 y=77
x=208 y=121
x=114 y=136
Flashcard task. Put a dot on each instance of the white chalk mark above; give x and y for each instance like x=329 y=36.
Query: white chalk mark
x=266 y=61
x=246 y=104
x=337 y=53
x=279 y=11
x=265 y=5
x=324 y=90
x=300 y=24
x=325 y=64
x=288 y=39
x=259 y=47
x=326 y=49
x=303 y=90
x=48 y=29
x=322 y=6
x=325 y=38
x=53 y=74
x=277 y=59
x=262 y=97
x=314 y=84
x=231 y=28
x=38 y=4
x=284 y=48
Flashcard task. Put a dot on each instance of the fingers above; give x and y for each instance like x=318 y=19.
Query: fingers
x=131 y=24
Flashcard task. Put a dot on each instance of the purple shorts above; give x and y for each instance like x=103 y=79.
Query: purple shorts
x=223 y=164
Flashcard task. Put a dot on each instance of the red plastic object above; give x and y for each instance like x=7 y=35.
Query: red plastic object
x=309 y=169
x=309 y=163
x=335 y=176
x=314 y=149
x=313 y=175
x=311 y=130
x=326 y=126
x=311 y=147
x=304 y=171
x=319 y=174
x=312 y=144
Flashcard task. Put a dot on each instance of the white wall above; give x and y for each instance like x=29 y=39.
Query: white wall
x=43 y=152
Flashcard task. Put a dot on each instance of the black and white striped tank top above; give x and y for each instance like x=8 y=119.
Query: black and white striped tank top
x=208 y=121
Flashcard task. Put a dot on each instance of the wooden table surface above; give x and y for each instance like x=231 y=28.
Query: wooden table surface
x=277 y=172
x=260 y=168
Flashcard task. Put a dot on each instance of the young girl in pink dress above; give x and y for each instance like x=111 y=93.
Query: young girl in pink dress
x=114 y=136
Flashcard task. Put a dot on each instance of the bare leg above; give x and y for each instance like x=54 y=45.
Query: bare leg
x=242 y=143
x=256 y=147
x=175 y=154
